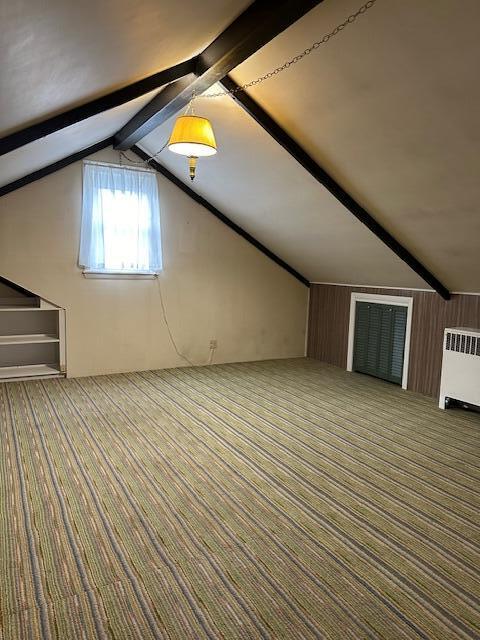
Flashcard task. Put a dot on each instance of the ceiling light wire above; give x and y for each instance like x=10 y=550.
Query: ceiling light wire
x=123 y=156
x=300 y=56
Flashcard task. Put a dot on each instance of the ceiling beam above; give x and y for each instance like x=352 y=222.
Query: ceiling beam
x=94 y=107
x=256 y=26
x=56 y=166
x=307 y=162
x=221 y=216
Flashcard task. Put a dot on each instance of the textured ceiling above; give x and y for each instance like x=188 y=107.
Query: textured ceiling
x=59 y=53
x=259 y=186
x=389 y=108
x=63 y=143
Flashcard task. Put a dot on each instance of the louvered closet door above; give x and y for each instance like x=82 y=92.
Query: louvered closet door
x=379 y=342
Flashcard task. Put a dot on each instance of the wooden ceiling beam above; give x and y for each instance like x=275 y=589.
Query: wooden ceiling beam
x=307 y=162
x=256 y=26
x=94 y=107
x=55 y=166
x=218 y=214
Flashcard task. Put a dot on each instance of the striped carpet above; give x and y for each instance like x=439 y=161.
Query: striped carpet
x=280 y=499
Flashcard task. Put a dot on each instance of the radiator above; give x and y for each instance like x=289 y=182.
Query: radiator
x=460 y=367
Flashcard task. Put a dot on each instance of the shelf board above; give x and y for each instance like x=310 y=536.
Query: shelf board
x=28 y=309
x=28 y=371
x=33 y=338
x=16 y=303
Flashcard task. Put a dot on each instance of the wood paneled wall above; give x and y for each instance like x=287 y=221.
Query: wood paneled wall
x=329 y=318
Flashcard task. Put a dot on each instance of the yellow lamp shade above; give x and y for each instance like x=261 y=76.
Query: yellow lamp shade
x=192 y=136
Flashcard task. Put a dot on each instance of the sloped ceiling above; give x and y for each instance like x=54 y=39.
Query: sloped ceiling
x=59 y=53
x=389 y=108
x=65 y=142
x=260 y=187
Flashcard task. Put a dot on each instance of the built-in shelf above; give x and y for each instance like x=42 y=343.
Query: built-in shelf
x=28 y=371
x=32 y=342
x=34 y=338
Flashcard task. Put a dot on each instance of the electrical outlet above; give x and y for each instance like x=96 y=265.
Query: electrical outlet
x=213 y=344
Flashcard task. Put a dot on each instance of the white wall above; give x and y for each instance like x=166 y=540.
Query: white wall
x=215 y=284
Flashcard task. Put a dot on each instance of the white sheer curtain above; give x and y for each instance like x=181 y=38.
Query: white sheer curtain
x=120 y=220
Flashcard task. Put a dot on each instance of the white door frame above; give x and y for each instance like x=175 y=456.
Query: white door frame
x=381 y=299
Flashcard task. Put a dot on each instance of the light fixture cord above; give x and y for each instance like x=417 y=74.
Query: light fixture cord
x=172 y=339
x=316 y=45
x=144 y=162
x=123 y=155
x=190 y=106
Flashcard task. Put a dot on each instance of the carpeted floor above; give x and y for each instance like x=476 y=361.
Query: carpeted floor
x=280 y=499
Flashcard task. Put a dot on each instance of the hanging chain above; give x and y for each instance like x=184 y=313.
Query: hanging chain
x=267 y=76
x=297 y=58
x=123 y=156
x=190 y=106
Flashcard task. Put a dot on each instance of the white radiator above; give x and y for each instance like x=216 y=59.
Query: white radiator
x=460 y=367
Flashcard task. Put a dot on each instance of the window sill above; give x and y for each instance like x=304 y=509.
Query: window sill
x=120 y=275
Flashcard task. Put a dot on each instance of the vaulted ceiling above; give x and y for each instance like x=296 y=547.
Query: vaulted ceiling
x=57 y=54
x=389 y=108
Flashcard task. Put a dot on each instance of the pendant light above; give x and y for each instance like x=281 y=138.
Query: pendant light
x=193 y=137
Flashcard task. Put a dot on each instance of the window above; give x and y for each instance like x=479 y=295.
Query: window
x=120 y=220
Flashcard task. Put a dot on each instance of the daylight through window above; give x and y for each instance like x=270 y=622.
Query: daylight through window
x=120 y=220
